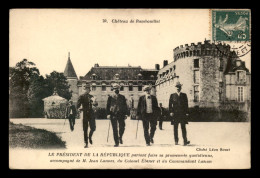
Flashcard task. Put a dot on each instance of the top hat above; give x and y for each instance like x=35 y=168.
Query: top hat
x=178 y=84
x=147 y=87
x=115 y=86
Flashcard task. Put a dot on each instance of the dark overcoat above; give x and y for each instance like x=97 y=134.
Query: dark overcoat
x=141 y=108
x=116 y=106
x=178 y=105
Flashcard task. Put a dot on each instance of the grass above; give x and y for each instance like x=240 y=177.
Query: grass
x=21 y=136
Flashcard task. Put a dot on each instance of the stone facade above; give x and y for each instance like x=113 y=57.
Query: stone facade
x=209 y=74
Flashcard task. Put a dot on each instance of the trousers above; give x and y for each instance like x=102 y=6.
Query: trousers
x=149 y=121
x=183 y=129
x=92 y=125
x=118 y=121
x=72 y=121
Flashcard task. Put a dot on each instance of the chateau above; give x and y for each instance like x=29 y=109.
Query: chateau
x=101 y=78
x=212 y=75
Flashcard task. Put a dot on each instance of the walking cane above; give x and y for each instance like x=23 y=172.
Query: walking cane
x=108 y=131
x=137 y=129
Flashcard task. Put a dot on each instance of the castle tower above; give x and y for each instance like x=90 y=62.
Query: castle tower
x=72 y=79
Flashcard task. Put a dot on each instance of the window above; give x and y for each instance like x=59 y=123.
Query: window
x=104 y=88
x=122 y=88
x=196 y=93
x=196 y=63
x=130 y=87
x=140 y=88
x=221 y=64
x=196 y=76
x=240 y=94
x=93 y=88
x=241 y=76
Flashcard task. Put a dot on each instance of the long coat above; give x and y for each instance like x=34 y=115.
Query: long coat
x=69 y=109
x=141 y=108
x=178 y=105
x=116 y=106
x=86 y=101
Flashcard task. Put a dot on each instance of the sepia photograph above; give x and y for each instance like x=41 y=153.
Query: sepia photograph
x=129 y=89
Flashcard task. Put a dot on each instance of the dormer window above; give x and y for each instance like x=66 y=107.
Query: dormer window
x=139 y=76
x=94 y=77
x=116 y=76
x=241 y=76
x=152 y=77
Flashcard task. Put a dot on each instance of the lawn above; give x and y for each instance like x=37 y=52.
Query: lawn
x=28 y=137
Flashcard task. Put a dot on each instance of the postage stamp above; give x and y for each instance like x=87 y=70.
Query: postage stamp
x=231 y=25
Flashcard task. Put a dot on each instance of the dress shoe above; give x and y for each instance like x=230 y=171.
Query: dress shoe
x=186 y=143
x=148 y=144
x=176 y=143
x=116 y=145
x=151 y=140
x=120 y=140
x=86 y=145
x=90 y=141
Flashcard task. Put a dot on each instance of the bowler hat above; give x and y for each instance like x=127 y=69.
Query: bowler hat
x=147 y=87
x=178 y=84
x=115 y=86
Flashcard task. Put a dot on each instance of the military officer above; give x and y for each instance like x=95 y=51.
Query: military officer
x=87 y=101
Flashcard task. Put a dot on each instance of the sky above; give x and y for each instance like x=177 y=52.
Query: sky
x=46 y=36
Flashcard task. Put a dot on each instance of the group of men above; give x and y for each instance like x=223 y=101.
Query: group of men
x=148 y=111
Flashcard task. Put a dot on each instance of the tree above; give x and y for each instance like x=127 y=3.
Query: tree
x=59 y=81
x=19 y=81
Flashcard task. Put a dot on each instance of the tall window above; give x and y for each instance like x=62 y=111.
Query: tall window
x=104 y=88
x=130 y=87
x=93 y=88
x=240 y=94
x=140 y=88
x=122 y=88
x=196 y=63
x=196 y=76
x=196 y=93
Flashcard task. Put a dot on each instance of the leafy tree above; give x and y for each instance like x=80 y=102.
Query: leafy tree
x=59 y=81
x=19 y=81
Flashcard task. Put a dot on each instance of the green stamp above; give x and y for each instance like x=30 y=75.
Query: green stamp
x=231 y=25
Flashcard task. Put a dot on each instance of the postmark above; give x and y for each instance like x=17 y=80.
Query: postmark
x=231 y=25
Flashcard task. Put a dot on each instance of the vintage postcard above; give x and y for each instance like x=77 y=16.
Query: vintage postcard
x=130 y=89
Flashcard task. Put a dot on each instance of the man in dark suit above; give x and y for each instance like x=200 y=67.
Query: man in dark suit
x=148 y=112
x=162 y=116
x=71 y=114
x=87 y=101
x=178 y=107
x=117 y=113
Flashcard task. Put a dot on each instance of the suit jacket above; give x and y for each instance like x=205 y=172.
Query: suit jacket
x=86 y=101
x=69 y=109
x=179 y=106
x=116 y=106
x=141 y=108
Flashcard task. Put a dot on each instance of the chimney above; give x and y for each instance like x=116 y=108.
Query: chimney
x=96 y=65
x=165 y=63
x=157 y=66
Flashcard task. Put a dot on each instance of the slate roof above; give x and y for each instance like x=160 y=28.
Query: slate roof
x=69 y=71
x=124 y=73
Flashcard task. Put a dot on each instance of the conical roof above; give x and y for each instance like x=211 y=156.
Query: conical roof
x=69 y=71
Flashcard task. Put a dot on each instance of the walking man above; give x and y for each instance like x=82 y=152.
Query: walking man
x=162 y=116
x=117 y=113
x=87 y=101
x=178 y=107
x=148 y=112
x=71 y=114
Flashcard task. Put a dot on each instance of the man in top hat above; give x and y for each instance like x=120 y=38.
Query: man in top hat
x=148 y=112
x=87 y=101
x=117 y=113
x=71 y=114
x=178 y=108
